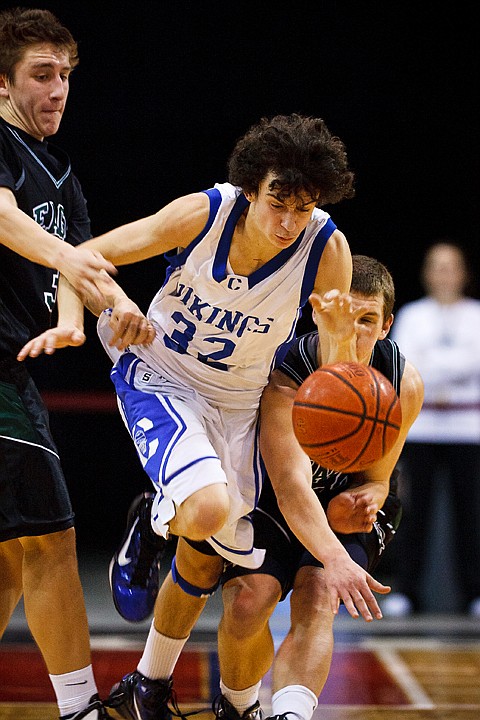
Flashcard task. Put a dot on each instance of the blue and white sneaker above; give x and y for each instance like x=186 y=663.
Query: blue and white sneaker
x=135 y=567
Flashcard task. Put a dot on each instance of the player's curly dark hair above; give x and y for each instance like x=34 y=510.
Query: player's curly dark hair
x=22 y=27
x=301 y=153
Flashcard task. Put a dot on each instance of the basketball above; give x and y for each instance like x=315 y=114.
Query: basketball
x=346 y=416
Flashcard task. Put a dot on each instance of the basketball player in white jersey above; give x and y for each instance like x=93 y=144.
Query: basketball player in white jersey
x=252 y=250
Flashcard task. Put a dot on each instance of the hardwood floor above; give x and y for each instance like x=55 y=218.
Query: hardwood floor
x=400 y=678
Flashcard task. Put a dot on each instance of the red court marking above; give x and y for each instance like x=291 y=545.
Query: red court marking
x=356 y=678
x=359 y=677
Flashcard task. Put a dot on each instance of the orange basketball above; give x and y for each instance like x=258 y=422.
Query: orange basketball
x=346 y=416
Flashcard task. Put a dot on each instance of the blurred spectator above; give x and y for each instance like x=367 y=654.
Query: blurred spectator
x=440 y=334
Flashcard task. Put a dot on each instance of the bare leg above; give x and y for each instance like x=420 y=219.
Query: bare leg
x=11 y=587
x=54 y=602
x=245 y=643
x=305 y=655
x=176 y=612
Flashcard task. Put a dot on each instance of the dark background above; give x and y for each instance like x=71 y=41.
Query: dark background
x=162 y=92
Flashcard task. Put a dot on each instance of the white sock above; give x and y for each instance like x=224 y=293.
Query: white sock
x=241 y=699
x=160 y=655
x=74 y=690
x=296 y=700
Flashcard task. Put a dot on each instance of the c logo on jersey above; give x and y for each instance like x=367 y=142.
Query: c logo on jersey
x=234 y=283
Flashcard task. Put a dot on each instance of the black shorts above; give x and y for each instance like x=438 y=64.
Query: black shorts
x=34 y=498
x=285 y=555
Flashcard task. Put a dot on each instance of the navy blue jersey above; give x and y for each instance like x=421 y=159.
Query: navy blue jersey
x=298 y=364
x=40 y=176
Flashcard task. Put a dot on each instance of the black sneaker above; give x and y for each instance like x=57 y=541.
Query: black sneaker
x=135 y=567
x=94 y=711
x=136 y=697
x=224 y=710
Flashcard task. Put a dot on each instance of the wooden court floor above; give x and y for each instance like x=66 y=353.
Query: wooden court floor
x=397 y=678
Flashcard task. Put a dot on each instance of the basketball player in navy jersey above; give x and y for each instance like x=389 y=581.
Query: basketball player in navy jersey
x=362 y=508
x=43 y=216
x=252 y=250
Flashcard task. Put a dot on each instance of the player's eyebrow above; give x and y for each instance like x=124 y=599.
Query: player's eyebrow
x=375 y=314
x=279 y=198
x=49 y=64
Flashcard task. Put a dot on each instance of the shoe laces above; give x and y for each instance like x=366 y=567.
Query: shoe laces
x=172 y=706
x=223 y=708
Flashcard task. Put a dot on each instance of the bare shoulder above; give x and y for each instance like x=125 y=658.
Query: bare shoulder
x=411 y=393
x=335 y=267
x=193 y=208
x=183 y=218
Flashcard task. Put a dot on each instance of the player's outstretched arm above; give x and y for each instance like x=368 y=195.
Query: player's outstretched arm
x=290 y=473
x=69 y=329
x=129 y=324
x=23 y=235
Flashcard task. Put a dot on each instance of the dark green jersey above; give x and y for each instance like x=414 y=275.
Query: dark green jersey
x=300 y=361
x=40 y=176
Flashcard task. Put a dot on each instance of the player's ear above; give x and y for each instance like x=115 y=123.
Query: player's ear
x=386 y=328
x=3 y=86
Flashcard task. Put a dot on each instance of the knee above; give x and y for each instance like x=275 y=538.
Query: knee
x=205 y=512
x=61 y=546
x=247 y=608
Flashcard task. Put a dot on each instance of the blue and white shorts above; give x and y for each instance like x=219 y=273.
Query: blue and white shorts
x=185 y=444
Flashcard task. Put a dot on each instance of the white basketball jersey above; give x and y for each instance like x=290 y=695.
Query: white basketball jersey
x=218 y=332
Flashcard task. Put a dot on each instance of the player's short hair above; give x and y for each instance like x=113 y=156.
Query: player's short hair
x=370 y=277
x=22 y=27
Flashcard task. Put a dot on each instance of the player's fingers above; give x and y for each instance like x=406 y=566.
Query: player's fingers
x=351 y=607
x=334 y=601
x=131 y=330
x=39 y=345
x=100 y=263
x=377 y=586
x=25 y=351
x=331 y=295
x=150 y=334
x=366 y=603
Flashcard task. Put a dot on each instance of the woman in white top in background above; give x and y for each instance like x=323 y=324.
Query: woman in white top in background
x=440 y=334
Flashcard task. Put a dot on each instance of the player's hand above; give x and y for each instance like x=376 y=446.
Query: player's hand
x=348 y=582
x=336 y=312
x=352 y=511
x=129 y=325
x=51 y=340
x=81 y=267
